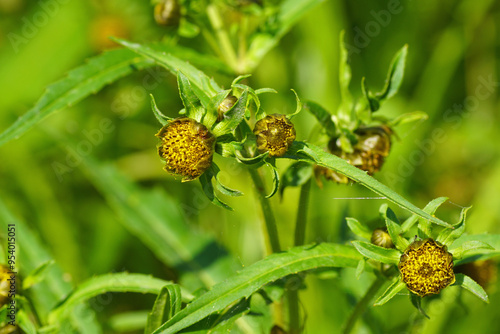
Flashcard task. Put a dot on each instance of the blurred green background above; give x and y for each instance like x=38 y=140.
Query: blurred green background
x=452 y=74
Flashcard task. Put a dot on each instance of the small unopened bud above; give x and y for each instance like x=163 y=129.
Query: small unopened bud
x=275 y=134
x=381 y=238
x=225 y=106
x=168 y=13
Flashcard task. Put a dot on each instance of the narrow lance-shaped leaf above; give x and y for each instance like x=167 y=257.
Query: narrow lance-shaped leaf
x=160 y=117
x=424 y=226
x=417 y=302
x=359 y=229
x=254 y=277
x=431 y=207
x=469 y=246
x=391 y=291
x=309 y=152
x=447 y=236
x=81 y=82
x=393 y=227
x=204 y=87
x=276 y=177
x=37 y=275
x=377 y=253
x=167 y=304
x=296 y=175
x=468 y=283
x=322 y=115
x=121 y=282
x=208 y=189
x=220 y=186
x=194 y=108
x=395 y=75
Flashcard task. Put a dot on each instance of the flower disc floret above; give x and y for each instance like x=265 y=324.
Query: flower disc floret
x=426 y=267
x=275 y=133
x=187 y=148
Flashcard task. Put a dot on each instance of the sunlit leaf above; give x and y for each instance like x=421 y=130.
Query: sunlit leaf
x=391 y=291
x=80 y=83
x=255 y=276
x=468 y=283
x=377 y=253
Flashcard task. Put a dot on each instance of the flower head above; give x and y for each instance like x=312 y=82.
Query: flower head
x=187 y=148
x=426 y=267
x=275 y=133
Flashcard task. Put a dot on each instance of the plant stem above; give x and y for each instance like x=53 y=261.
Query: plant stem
x=301 y=221
x=272 y=230
x=362 y=304
x=300 y=235
x=224 y=42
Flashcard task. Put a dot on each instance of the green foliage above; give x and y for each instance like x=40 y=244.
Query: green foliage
x=125 y=212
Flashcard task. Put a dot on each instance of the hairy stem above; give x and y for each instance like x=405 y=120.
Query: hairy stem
x=272 y=230
x=362 y=304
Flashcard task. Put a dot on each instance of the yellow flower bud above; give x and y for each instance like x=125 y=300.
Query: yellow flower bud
x=225 y=106
x=275 y=133
x=381 y=238
x=187 y=148
x=426 y=267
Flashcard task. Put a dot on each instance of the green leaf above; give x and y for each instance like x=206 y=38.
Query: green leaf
x=228 y=149
x=254 y=277
x=391 y=291
x=377 y=253
x=44 y=296
x=477 y=254
x=37 y=275
x=208 y=189
x=309 y=152
x=233 y=117
x=323 y=116
x=394 y=76
x=298 y=108
x=81 y=82
x=359 y=229
x=221 y=187
x=417 y=302
x=431 y=207
x=296 y=175
x=202 y=85
x=276 y=177
x=167 y=304
x=160 y=117
x=371 y=101
x=360 y=268
x=468 y=283
x=24 y=322
x=194 y=108
x=393 y=228
x=447 y=236
x=121 y=282
x=469 y=246
x=408 y=118
x=265 y=90
x=255 y=161
x=424 y=226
